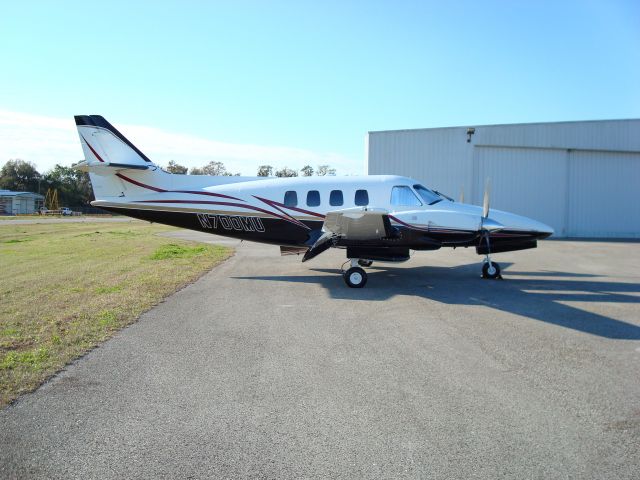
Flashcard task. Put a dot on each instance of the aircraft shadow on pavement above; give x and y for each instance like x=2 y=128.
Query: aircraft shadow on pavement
x=540 y=295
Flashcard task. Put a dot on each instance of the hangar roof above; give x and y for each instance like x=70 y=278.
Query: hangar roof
x=598 y=135
x=10 y=193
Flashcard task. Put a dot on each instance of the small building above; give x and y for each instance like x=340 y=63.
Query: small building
x=20 y=203
x=581 y=178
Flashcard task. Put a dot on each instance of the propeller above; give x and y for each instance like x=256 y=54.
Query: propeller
x=461 y=194
x=485 y=199
x=488 y=225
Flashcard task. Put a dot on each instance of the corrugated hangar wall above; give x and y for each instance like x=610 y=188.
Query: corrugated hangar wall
x=582 y=178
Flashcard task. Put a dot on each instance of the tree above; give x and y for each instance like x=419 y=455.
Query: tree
x=325 y=170
x=173 y=167
x=286 y=172
x=211 y=168
x=265 y=170
x=19 y=176
x=73 y=186
x=307 y=171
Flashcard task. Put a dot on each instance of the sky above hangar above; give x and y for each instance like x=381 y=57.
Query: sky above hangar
x=301 y=82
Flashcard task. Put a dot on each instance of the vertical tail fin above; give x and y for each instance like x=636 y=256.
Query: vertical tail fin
x=103 y=143
x=107 y=153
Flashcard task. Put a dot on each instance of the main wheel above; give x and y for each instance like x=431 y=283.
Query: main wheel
x=365 y=263
x=491 y=270
x=355 y=277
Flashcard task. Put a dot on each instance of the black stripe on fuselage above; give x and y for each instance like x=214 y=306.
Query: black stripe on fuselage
x=245 y=227
x=277 y=231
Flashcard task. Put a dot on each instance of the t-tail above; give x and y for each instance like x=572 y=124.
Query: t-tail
x=104 y=145
x=108 y=153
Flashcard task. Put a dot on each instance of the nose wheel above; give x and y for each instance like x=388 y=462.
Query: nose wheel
x=490 y=270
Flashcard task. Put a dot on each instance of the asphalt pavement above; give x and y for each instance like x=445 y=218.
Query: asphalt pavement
x=269 y=368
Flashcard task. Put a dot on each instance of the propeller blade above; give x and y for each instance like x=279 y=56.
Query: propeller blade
x=485 y=200
x=461 y=194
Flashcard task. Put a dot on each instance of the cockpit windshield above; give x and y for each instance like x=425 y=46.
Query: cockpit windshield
x=429 y=197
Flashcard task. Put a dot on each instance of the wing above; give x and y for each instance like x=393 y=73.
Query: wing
x=351 y=224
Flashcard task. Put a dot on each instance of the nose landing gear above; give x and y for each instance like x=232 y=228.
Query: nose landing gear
x=490 y=270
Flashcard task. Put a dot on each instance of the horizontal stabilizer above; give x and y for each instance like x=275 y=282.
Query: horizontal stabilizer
x=106 y=168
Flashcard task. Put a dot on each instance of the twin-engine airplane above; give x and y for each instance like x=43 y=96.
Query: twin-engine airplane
x=375 y=217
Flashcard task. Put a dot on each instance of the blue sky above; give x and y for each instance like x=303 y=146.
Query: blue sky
x=305 y=79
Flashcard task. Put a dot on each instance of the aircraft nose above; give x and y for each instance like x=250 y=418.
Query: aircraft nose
x=517 y=222
x=542 y=229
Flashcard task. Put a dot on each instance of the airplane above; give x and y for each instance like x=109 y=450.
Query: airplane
x=379 y=218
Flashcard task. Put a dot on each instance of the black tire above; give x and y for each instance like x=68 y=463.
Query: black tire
x=365 y=263
x=489 y=272
x=355 y=277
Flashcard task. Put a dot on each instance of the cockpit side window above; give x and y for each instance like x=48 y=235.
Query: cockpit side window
x=401 y=195
x=429 y=197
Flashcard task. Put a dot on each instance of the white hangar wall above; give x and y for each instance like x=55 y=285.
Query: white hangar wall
x=582 y=178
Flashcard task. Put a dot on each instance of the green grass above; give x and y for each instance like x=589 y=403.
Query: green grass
x=68 y=287
x=177 y=251
x=18 y=240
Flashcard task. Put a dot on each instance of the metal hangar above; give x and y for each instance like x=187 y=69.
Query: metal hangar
x=582 y=178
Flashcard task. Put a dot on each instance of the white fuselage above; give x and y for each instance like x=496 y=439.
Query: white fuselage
x=311 y=202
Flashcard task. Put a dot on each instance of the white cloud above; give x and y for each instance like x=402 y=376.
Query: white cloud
x=46 y=141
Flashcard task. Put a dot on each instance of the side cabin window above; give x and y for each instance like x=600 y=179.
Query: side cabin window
x=290 y=198
x=313 y=198
x=361 y=198
x=402 y=195
x=335 y=198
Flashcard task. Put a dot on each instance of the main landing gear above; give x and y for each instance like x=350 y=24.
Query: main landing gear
x=491 y=270
x=355 y=276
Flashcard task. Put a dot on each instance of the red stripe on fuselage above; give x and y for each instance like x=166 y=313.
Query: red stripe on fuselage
x=275 y=204
x=156 y=189
x=397 y=220
x=195 y=192
x=143 y=185
x=429 y=229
